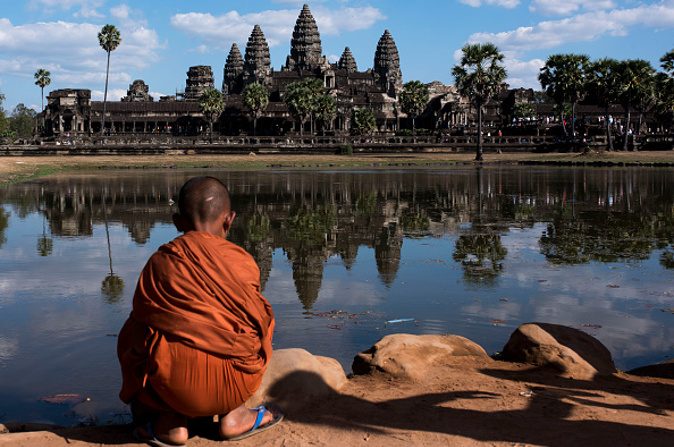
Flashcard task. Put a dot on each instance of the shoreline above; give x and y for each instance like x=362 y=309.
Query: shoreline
x=437 y=390
x=15 y=169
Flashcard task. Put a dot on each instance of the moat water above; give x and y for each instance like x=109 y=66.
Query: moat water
x=467 y=251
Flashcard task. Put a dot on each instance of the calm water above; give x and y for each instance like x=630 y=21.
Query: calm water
x=465 y=251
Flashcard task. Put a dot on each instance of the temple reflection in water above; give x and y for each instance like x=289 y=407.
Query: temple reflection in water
x=589 y=215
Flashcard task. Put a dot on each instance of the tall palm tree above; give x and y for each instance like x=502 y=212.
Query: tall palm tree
x=413 y=100
x=109 y=39
x=665 y=88
x=42 y=79
x=637 y=78
x=564 y=78
x=256 y=98
x=605 y=87
x=479 y=76
x=212 y=103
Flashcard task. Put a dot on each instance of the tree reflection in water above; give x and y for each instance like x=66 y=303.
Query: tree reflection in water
x=590 y=215
x=112 y=286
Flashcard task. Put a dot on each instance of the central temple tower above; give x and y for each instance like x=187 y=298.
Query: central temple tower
x=305 y=45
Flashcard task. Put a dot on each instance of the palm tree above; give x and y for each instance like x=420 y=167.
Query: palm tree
x=665 y=88
x=637 y=78
x=212 y=103
x=301 y=97
x=109 y=39
x=42 y=79
x=479 y=76
x=413 y=100
x=326 y=110
x=605 y=87
x=564 y=78
x=256 y=98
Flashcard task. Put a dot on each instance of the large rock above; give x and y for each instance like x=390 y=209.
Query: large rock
x=573 y=353
x=663 y=370
x=410 y=356
x=295 y=377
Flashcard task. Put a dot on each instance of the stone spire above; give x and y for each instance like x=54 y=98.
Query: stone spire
x=387 y=64
x=347 y=62
x=231 y=82
x=199 y=78
x=305 y=45
x=257 y=63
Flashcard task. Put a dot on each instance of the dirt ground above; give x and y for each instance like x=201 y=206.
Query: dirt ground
x=14 y=169
x=470 y=402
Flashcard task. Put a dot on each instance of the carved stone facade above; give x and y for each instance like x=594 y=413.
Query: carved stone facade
x=199 y=78
x=387 y=65
x=233 y=72
x=257 y=62
x=68 y=111
x=138 y=91
x=305 y=46
x=347 y=61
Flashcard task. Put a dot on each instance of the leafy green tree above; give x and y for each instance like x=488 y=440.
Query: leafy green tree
x=604 y=84
x=42 y=79
x=256 y=98
x=212 y=103
x=413 y=100
x=109 y=39
x=523 y=110
x=564 y=78
x=301 y=98
x=22 y=121
x=326 y=110
x=637 y=82
x=364 y=121
x=479 y=76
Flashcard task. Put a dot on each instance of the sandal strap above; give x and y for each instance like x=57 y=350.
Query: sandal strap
x=261 y=410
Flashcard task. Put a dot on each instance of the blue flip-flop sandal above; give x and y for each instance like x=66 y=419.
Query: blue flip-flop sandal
x=257 y=428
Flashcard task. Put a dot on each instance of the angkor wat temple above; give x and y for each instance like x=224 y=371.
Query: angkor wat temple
x=71 y=111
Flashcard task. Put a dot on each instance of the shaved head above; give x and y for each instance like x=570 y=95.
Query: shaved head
x=203 y=199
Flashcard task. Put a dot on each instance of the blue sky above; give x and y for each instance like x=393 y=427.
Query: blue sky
x=161 y=39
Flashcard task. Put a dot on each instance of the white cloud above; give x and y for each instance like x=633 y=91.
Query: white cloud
x=277 y=25
x=114 y=94
x=87 y=8
x=582 y=27
x=332 y=58
x=503 y=3
x=523 y=73
x=557 y=7
x=72 y=52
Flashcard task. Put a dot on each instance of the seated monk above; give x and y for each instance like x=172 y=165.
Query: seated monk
x=199 y=336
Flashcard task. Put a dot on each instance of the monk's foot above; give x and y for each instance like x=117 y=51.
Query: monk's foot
x=169 y=428
x=241 y=420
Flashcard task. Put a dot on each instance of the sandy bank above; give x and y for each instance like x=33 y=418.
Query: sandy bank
x=462 y=399
x=19 y=168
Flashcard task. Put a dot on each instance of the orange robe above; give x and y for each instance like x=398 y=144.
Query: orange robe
x=199 y=336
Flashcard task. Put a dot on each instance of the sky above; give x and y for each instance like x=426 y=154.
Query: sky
x=161 y=39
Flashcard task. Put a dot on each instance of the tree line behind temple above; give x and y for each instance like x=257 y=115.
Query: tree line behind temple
x=567 y=80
